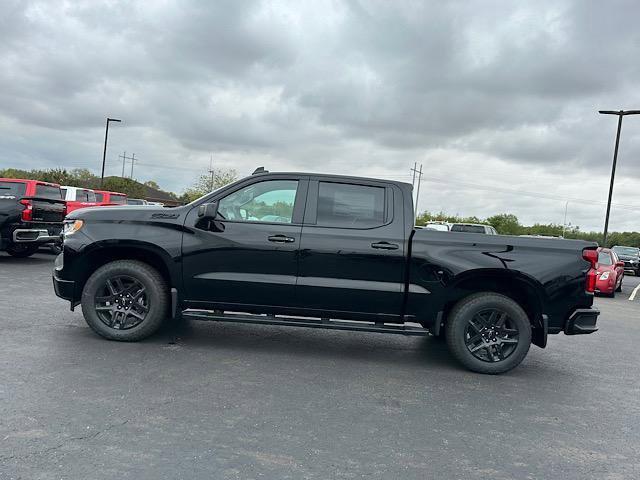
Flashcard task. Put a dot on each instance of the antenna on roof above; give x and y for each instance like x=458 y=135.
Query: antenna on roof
x=259 y=170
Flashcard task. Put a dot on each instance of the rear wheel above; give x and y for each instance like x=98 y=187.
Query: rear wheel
x=125 y=300
x=488 y=333
x=20 y=250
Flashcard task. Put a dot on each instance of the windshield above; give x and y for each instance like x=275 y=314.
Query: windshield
x=631 y=251
x=604 y=258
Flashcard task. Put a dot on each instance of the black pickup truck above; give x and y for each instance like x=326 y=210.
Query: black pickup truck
x=324 y=251
x=31 y=215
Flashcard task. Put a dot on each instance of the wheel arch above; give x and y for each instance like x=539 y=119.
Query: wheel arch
x=521 y=288
x=102 y=253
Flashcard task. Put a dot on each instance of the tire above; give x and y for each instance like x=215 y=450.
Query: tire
x=19 y=250
x=477 y=309
x=619 y=289
x=153 y=302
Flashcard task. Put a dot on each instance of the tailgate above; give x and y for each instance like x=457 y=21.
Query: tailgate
x=50 y=210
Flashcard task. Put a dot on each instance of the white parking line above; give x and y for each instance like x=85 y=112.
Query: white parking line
x=632 y=297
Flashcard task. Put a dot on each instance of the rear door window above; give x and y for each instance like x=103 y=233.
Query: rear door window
x=119 y=199
x=12 y=189
x=48 y=191
x=99 y=197
x=350 y=206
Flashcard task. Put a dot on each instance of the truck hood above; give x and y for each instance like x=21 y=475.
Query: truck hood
x=130 y=213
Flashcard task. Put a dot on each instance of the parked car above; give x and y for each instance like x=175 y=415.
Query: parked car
x=306 y=249
x=77 y=197
x=104 y=197
x=440 y=226
x=473 y=228
x=31 y=215
x=631 y=258
x=136 y=201
x=610 y=272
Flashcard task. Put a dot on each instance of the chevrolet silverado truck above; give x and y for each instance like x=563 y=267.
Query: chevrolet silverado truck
x=329 y=252
x=31 y=215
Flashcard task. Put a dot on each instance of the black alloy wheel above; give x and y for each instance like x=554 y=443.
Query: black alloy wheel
x=125 y=300
x=491 y=336
x=122 y=302
x=488 y=332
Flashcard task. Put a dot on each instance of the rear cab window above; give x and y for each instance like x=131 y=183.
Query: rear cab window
x=468 y=228
x=118 y=199
x=12 y=189
x=48 y=191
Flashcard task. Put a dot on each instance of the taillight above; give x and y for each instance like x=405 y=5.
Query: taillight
x=591 y=256
x=27 y=213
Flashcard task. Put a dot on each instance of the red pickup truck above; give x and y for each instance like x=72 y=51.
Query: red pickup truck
x=104 y=197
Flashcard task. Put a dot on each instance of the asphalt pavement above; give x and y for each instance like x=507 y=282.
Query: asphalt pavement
x=225 y=401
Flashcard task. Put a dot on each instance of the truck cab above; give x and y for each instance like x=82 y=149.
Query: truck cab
x=77 y=197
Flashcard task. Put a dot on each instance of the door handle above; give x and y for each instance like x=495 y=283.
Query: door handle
x=281 y=239
x=385 y=246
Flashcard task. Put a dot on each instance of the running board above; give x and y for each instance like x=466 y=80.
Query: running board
x=327 y=324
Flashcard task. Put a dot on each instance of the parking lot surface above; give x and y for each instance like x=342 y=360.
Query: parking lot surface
x=209 y=400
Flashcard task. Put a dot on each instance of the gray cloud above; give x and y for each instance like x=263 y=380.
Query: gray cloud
x=481 y=92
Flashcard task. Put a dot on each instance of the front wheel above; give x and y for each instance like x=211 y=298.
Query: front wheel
x=125 y=300
x=21 y=250
x=488 y=333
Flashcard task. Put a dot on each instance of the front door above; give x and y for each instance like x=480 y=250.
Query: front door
x=248 y=256
x=352 y=251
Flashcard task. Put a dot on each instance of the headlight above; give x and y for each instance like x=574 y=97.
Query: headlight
x=604 y=276
x=634 y=261
x=71 y=227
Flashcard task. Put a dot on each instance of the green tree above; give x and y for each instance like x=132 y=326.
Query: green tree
x=152 y=184
x=205 y=184
x=132 y=188
x=505 y=224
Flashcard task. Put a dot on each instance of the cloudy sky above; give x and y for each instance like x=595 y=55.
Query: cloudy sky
x=498 y=100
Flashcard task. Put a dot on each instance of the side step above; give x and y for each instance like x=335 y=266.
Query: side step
x=328 y=324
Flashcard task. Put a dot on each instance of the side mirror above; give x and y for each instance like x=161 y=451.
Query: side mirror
x=208 y=210
x=620 y=264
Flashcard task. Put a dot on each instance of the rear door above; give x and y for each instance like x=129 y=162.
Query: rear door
x=249 y=255
x=352 y=251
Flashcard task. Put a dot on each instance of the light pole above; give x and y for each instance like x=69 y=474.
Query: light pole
x=104 y=152
x=620 y=114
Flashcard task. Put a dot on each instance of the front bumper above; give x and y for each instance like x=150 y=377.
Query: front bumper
x=65 y=289
x=582 y=321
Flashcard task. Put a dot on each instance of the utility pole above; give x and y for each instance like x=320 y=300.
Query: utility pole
x=564 y=225
x=419 y=172
x=104 y=152
x=211 y=172
x=124 y=158
x=620 y=113
x=413 y=182
x=133 y=160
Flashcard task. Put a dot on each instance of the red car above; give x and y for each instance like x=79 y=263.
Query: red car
x=610 y=272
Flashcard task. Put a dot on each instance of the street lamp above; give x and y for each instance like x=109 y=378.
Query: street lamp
x=620 y=113
x=104 y=152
